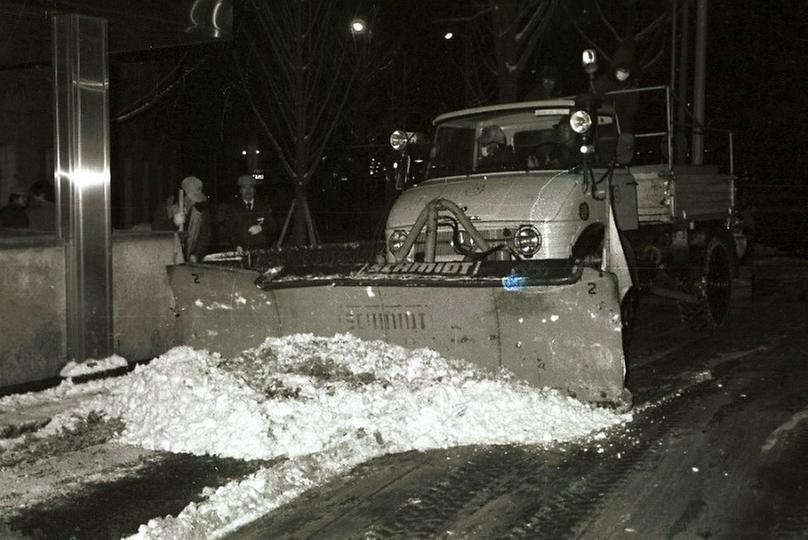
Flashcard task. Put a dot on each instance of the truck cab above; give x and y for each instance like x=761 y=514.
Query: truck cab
x=517 y=171
x=539 y=181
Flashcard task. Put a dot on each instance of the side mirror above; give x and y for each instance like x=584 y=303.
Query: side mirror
x=402 y=171
x=624 y=152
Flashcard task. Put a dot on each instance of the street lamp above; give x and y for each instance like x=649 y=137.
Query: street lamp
x=448 y=35
x=358 y=27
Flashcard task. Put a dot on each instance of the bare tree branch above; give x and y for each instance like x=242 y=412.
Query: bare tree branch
x=586 y=37
x=657 y=44
x=652 y=26
x=653 y=60
x=481 y=12
x=275 y=91
x=606 y=22
x=156 y=90
x=272 y=28
x=655 y=30
x=278 y=48
x=298 y=72
x=542 y=16
x=285 y=161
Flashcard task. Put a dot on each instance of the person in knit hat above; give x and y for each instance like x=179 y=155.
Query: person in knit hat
x=622 y=75
x=548 y=87
x=194 y=218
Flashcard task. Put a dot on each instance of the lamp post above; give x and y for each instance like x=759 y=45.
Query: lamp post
x=359 y=27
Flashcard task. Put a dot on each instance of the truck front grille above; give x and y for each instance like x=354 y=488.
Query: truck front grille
x=445 y=251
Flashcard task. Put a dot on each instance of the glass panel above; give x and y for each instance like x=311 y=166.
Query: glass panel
x=26 y=152
x=515 y=141
x=453 y=152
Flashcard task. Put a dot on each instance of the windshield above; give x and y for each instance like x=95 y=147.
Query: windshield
x=533 y=139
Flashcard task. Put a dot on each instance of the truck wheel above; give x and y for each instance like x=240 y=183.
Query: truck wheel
x=628 y=306
x=713 y=288
x=628 y=313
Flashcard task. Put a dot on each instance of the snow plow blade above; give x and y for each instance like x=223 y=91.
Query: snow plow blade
x=554 y=324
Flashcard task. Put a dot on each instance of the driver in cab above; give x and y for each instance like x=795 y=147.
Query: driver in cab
x=494 y=152
x=562 y=152
x=566 y=152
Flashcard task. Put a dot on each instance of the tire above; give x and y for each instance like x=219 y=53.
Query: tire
x=628 y=306
x=628 y=316
x=712 y=287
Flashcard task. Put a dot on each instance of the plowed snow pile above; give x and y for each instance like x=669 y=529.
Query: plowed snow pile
x=326 y=404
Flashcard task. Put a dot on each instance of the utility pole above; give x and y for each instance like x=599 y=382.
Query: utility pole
x=699 y=73
x=682 y=86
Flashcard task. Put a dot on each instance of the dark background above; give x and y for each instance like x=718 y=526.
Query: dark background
x=756 y=66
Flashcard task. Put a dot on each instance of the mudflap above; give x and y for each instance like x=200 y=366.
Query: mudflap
x=565 y=336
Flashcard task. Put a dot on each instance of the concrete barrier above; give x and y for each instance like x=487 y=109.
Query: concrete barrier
x=33 y=341
x=33 y=344
x=142 y=301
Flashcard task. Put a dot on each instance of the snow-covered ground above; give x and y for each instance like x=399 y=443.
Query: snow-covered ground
x=90 y=367
x=321 y=405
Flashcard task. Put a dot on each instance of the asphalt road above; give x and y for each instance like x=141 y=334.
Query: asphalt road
x=717 y=448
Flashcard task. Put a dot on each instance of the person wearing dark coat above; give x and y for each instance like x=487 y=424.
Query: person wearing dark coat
x=13 y=215
x=548 y=87
x=622 y=75
x=248 y=221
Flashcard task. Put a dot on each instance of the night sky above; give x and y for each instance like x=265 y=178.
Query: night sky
x=756 y=66
x=756 y=62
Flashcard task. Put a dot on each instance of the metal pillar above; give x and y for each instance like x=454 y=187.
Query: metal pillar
x=81 y=159
x=682 y=93
x=699 y=74
x=674 y=18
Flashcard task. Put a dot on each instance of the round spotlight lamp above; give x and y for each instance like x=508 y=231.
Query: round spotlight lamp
x=527 y=240
x=580 y=121
x=396 y=240
x=399 y=139
x=589 y=60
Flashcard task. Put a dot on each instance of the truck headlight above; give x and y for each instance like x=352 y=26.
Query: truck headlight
x=399 y=139
x=580 y=121
x=396 y=240
x=527 y=240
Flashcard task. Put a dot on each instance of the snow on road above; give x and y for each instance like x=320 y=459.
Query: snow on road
x=321 y=406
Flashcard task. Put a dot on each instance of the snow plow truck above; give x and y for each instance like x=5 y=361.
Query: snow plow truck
x=524 y=247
